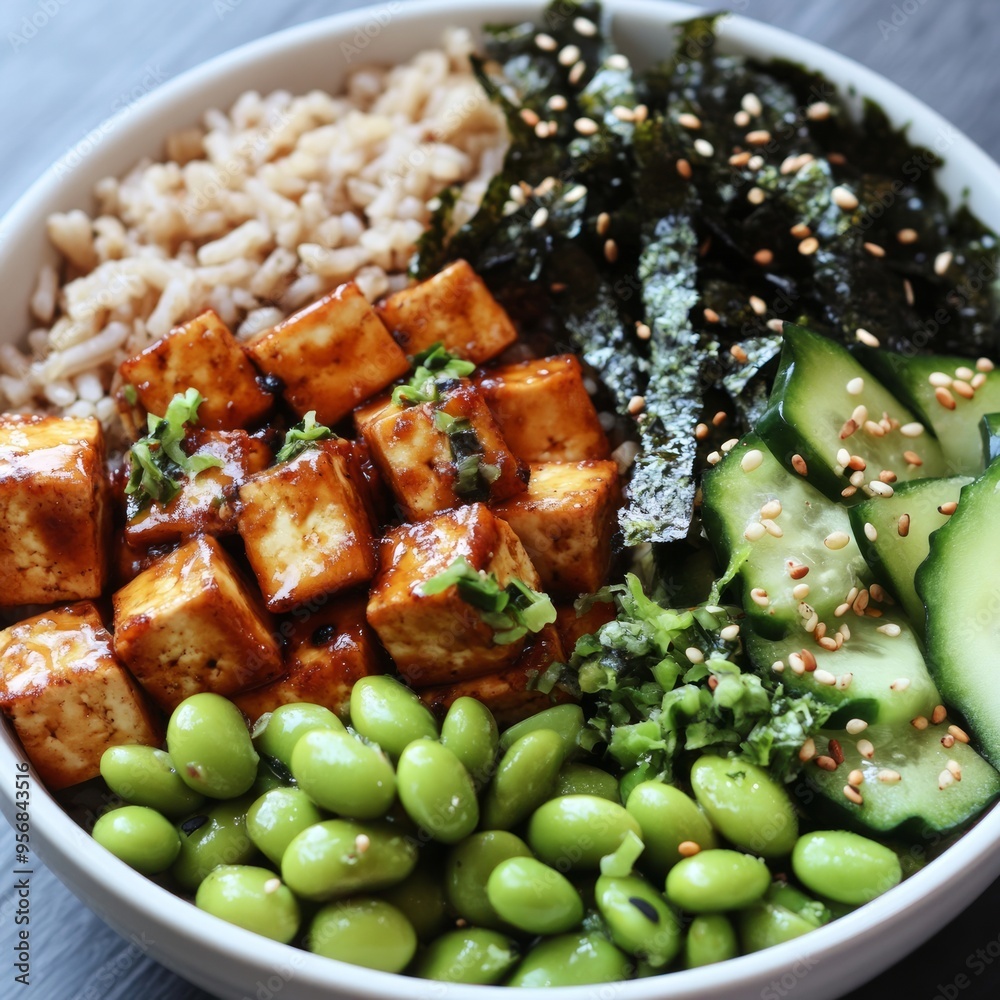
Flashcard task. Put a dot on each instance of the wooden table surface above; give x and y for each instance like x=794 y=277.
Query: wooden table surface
x=65 y=65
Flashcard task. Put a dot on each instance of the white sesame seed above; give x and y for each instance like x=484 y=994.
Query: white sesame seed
x=683 y=168
x=751 y=460
x=636 y=405
x=907 y=236
x=871 y=532
x=860 y=414
x=568 y=55
x=610 y=251
x=759 y=596
x=960 y=734
x=729 y=633
x=558 y=103
x=584 y=26
x=844 y=681
x=912 y=430
x=755 y=163
x=880 y=489
x=622 y=113
x=836 y=540
x=965 y=373
x=750 y=103
x=362 y=842
x=856 y=778
x=756 y=196
x=939 y=714
x=866 y=749
x=617 y=61
x=963 y=389
x=741 y=119
x=841 y=610
x=758 y=137
x=797 y=664
x=844 y=198
x=853 y=795
x=713 y=458
x=772 y=527
x=574 y=194
x=945 y=398
x=945 y=778
x=808 y=750
x=577 y=72
x=540 y=218
x=585 y=126
x=703 y=147
x=874 y=249
x=272 y=885
x=843 y=457
x=694 y=654
x=855 y=726
x=866 y=338
x=825 y=677
x=758 y=305
x=687 y=120
x=776 y=325
x=642 y=331
x=984 y=365
x=856 y=386
x=939 y=379
x=778 y=666
x=888 y=776
x=771 y=509
x=943 y=261
x=890 y=629
x=546 y=42
x=812 y=623
x=808 y=246
x=800 y=591
x=900 y=684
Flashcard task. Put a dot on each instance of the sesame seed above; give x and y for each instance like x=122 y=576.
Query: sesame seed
x=756 y=196
x=755 y=163
x=797 y=570
x=739 y=159
x=874 y=249
x=818 y=111
x=843 y=457
x=808 y=750
x=577 y=72
x=610 y=251
x=778 y=666
x=711 y=316
x=622 y=113
x=750 y=103
x=947 y=741
x=855 y=726
x=687 y=120
x=800 y=591
x=808 y=659
x=866 y=338
x=772 y=527
x=900 y=684
x=860 y=602
x=960 y=734
x=856 y=386
x=912 y=430
x=859 y=414
x=907 y=236
x=945 y=778
x=776 y=325
x=758 y=305
x=800 y=231
x=880 y=489
x=908 y=292
x=844 y=198
x=617 y=61
x=878 y=593
x=542 y=130
x=759 y=596
x=799 y=465
x=955 y=768
x=703 y=147
x=848 y=491
x=641 y=112
x=771 y=509
x=764 y=257
x=866 y=749
x=636 y=405
x=963 y=389
x=903 y=525
x=848 y=428
x=836 y=540
x=603 y=223
x=574 y=194
x=841 y=610
x=856 y=778
x=558 y=103
x=853 y=795
x=939 y=379
x=844 y=681
x=684 y=169
x=540 y=218
x=825 y=677
x=568 y=55
x=701 y=432
x=945 y=398
x=741 y=119
x=826 y=763
x=694 y=654
x=943 y=261
x=758 y=137
x=718 y=419
x=546 y=42
x=642 y=330
x=751 y=460
x=585 y=126
x=874 y=429
x=688 y=848
x=963 y=372
x=739 y=354
x=828 y=643
x=939 y=714
x=713 y=458
x=362 y=842
x=912 y=458
x=754 y=531
x=584 y=26
x=808 y=246
x=888 y=776
x=948 y=508
x=272 y=885
x=887 y=476
x=729 y=633
x=529 y=117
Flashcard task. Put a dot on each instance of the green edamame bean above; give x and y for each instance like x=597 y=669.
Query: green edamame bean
x=250 y=897
x=766 y=923
x=420 y=898
x=470 y=732
x=639 y=919
x=141 y=837
x=845 y=867
x=585 y=779
x=572 y=960
x=534 y=897
x=271 y=773
x=208 y=840
x=472 y=955
x=276 y=733
x=277 y=817
x=390 y=714
x=363 y=931
x=566 y=720
x=525 y=778
x=576 y=831
x=208 y=741
x=710 y=939
x=630 y=779
x=437 y=791
x=746 y=805
x=717 y=880
x=468 y=868
x=145 y=776
x=667 y=818
x=338 y=858
x=342 y=774
x=812 y=910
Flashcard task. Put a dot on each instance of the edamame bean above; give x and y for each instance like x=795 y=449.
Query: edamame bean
x=710 y=939
x=783 y=894
x=717 y=880
x=141 y=837
x=250 y=897
x=208 y=741
x=472 y=955
x=338 y=858
x=630 y=779
x=342 y=774
x=469 y=731
x=390 y=714
x=468 y=868
x=525 y=778
x=145 y=776
x=437 y=791
x=585 y=779
x=845 y=867
x=638 y=919
x=276 y=733
x=271 y=773
x=421 y=899
x=363 y=931
x=765 y=924
x=746 y=805
x=668 y=818
x=576 y=831
x=572 y=960
x=566 y=720
x=534 y=897
x=208 y=840
x=277 y=817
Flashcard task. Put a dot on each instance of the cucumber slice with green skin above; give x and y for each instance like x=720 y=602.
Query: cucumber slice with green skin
x=960 y=585
x=895 y=557
x=953 y=418
x=989 y=432
x=915 y=807
x=813 y=412
x=869 y=667
x=735 y=493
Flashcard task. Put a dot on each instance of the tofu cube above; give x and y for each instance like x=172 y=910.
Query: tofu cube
x=190 y=623
x=544 y=410
x=511 y=694
x=306 y=529
x=439 y=638
x=416 y=458
x=204 y=355
x=68 y=696
x=565 y=521
x=331 y=356
x=362 y=470
x=54 y=510
x=454 y=307
x=328 y=649
x=204 y=505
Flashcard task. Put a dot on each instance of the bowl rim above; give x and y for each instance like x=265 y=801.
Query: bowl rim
x=116 y=891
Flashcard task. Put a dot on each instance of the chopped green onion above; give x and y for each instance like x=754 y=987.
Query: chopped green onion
x=431 y=366
x=620 y=863
x=303 y=435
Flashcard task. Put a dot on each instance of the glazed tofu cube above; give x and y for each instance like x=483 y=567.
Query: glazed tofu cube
x=572 y=625
x=439 y=638
x=191 y=623
x=417 y=456
x=328 y=650
x=68 y=695
x=202 y=354
x=565 y=521
x=306 y=529
x=365 y=475
x=544 y=410
x=331 y=356
x=454 y=307
x=204 y=505
x=54 y=510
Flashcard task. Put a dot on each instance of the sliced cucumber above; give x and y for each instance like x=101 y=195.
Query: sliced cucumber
x=918 y=381
x=989 y=432
x=734 y=494
x=927 y=800
x=814 y=412
x=882 y=677
x=894 y=534
x=960 y=585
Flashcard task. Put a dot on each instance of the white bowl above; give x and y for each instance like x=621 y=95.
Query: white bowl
x=233 y=963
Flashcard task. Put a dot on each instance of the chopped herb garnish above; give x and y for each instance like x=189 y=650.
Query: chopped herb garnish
x=512 y=611
x=430 y=368
x=473 y=475
x=303 y=435
x=158 y=460
x=131 y=396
